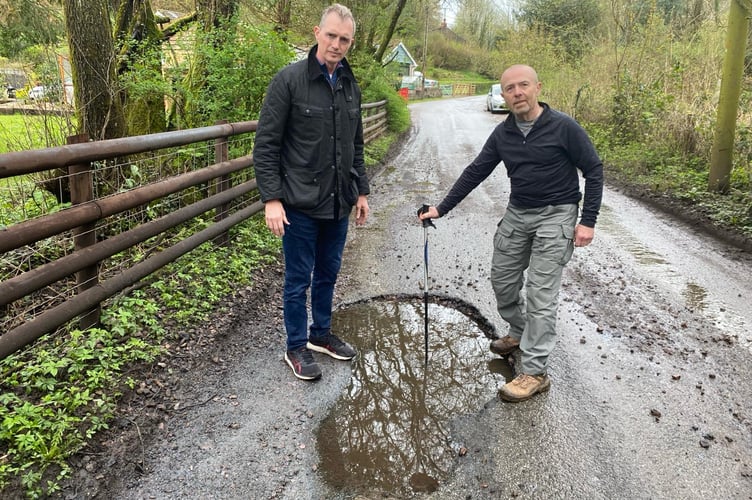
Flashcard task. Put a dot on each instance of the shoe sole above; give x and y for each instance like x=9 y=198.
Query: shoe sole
x=515 y=399
x=298 y=375
x=503 y=352
x=324 y=350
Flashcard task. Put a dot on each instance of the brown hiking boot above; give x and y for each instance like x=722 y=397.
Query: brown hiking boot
x=524 y=387
x=504 y=345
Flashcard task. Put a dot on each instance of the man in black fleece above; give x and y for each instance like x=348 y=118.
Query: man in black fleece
x=541 y=149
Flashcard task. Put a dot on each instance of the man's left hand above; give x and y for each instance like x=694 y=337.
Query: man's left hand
x=583 y=235
x=361 y=210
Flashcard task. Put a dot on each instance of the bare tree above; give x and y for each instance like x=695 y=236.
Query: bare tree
x=390 y=30
x=214 y=13
x=479 y=21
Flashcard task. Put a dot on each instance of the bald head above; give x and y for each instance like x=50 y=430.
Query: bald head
x=519 y=70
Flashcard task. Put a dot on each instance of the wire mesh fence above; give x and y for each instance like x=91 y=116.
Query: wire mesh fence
x=48 y=192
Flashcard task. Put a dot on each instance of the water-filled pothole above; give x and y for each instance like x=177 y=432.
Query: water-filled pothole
x=390 y=432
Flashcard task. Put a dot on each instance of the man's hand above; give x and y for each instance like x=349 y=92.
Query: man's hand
x=583 y=235
x=361 y=210
x=431 y=213
x=276 y=220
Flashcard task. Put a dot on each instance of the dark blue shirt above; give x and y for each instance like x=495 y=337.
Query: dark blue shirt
x=331 y=79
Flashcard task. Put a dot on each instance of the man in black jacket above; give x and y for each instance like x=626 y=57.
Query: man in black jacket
x=308 y=158
x=542 y=149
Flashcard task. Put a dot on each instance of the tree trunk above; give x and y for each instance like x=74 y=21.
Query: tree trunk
x=721 y=158
x=214 y=13
x=139 y=44
x=284 y=15
x=98 y=107
x=379 y=56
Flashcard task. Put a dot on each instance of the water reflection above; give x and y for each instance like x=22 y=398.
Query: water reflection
x=390 y=432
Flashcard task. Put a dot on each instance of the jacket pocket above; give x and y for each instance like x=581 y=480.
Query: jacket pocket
x=350 y=189
x=301 y=189
x=308 y=123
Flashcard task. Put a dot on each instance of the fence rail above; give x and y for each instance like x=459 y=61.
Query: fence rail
x=79 y=159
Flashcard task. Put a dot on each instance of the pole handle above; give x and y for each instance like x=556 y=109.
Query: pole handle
x=426 y=222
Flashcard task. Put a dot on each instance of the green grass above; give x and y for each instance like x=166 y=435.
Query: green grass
x=21 y=132
x=457 y=76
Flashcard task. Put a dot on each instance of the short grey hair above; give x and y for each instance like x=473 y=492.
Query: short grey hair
x=343 y=12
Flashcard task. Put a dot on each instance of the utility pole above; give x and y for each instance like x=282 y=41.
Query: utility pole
x=425 y=49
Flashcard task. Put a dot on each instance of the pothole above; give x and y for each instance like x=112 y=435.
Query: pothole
x=390 y=433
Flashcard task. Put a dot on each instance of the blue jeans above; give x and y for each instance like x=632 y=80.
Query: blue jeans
x=313 y=255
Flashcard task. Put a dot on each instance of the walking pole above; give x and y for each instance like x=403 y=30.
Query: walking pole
x=426 y=223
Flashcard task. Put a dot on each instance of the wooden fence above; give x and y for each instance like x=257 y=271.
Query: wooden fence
x=226 y=187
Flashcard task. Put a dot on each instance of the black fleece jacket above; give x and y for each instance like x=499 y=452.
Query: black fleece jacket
x=308 y=149
x=542 y=167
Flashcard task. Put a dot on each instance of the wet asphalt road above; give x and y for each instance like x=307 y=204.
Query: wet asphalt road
x=652 y=392
x=651 y=388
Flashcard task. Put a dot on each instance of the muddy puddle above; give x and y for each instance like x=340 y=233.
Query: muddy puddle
x=390 y=433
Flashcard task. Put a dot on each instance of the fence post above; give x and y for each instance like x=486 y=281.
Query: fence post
x=221 y=153
x=82 y=190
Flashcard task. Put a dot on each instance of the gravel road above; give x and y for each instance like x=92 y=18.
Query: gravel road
x=651 y=391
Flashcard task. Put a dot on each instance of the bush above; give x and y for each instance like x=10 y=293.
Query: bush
x=375 y=86
x=239 y=64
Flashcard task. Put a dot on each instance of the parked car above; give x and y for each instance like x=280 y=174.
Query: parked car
x=11 y=91
x=494 y=101
x=38 y=92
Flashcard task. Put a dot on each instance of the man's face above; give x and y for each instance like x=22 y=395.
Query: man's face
x=335 y=37
x=520 y=88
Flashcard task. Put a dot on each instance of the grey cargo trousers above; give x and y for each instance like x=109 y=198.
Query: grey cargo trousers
x=540 y=240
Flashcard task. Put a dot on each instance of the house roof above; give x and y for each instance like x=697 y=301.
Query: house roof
x=13 y=77
x=401 y=55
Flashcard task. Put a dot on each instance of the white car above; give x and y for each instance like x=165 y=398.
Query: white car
x=494 y=101
x=38 y=92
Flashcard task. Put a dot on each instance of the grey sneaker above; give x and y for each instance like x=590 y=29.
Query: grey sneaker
x=333 y=346
x=504 y=345
x=302 y=364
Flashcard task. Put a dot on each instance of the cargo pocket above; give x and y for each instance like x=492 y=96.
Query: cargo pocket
x=556 y=243
x=503 y=235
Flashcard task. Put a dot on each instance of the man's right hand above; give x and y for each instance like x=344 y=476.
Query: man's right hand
x=431 y=213
x=276 y=220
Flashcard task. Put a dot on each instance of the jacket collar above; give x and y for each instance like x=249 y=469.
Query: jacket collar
x=314 y=68
x=545 y=116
